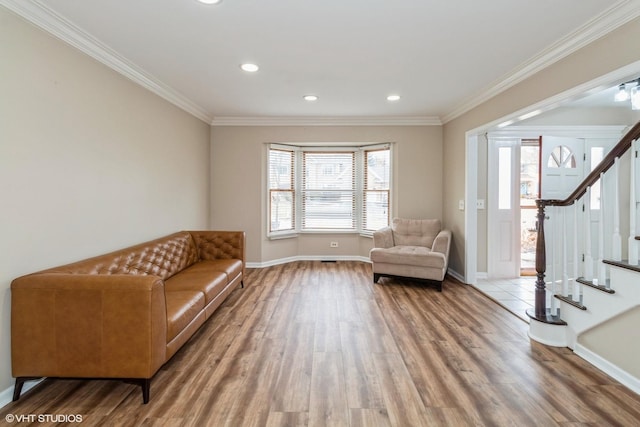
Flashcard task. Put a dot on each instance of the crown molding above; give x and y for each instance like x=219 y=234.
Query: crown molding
x=614 y=17
x=43 y=17
x=327 y=121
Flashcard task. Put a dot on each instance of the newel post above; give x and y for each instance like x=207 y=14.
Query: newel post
x=541 y=263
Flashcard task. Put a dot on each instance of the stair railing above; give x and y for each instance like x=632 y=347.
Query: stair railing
x=540 y=311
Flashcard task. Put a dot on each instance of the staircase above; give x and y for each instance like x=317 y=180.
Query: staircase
x=587 y=296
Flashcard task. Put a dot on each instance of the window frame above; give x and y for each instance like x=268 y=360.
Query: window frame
x=360 y=152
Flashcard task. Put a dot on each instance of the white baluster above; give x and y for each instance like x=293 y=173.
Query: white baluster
x=633 y=244
x=616 y=247
x=576 y=285
x=602 y=273
x=588 y=258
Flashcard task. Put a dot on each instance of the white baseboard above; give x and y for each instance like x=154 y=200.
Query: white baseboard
x=459 y=277
x=307 y=258
x=608 y=368
x=6 y=396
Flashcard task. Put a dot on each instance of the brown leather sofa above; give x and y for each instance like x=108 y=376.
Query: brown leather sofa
x=124 y=314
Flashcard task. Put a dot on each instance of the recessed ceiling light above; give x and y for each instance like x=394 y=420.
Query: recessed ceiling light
x=250 y=68
x=393 y=98
x=210 y=1
x=310 y=97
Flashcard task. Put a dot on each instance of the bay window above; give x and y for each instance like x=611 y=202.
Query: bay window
x=330 y=189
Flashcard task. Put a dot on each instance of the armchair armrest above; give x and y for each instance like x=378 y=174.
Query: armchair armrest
x=442 y=243
x=383 y=238
x=84 y=325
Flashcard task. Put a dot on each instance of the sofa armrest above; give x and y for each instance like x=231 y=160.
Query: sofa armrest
x=383 y=238
x=82 y=325
x=442 y=243
x=214 y=244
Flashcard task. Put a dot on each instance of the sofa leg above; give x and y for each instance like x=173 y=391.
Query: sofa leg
x=376 y=277
x=145 y=384
x=242 y=283
x=439 y=286
x=17 y=389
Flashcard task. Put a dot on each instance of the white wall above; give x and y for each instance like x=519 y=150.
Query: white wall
x=238 y=161
x=89 y=162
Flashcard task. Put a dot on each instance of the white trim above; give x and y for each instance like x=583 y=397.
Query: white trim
x=459 y=277
x=609 y=368
x=617 y=15
x=327 y=121
x=548 y=333
x=604 y=131
x=6 y=396
x=327 y=258
x=42 y=16
x=471 y=215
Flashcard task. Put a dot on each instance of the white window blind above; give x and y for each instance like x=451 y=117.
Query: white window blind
x=328 y=190
x=281 y=190
x=375 y=207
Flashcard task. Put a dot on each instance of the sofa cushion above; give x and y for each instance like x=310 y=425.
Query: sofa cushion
x=419 y=256
x=415 y=232
x=162 y=257
x=199 y=277
x=182 y=307
x=232 y=267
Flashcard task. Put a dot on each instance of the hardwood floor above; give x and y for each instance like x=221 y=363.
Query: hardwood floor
x=311 y=343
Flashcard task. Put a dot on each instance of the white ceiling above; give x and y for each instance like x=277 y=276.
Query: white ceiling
x=439 y=56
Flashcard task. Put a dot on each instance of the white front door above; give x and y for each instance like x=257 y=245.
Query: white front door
x=562 y=170
x=503 y=234
x=562 y=166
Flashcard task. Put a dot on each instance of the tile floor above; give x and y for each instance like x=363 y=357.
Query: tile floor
x=516 y=295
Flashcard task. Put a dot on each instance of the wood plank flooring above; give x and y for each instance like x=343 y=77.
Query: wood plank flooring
x=318 y=344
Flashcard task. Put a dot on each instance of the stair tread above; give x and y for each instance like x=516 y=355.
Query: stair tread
x=602 y=288
x=569 y=300
x=622 y=264
x=547 y=318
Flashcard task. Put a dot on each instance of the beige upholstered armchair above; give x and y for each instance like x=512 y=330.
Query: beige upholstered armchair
x=411 y=248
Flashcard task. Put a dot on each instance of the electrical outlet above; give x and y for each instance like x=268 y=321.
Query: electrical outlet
x=333 y=244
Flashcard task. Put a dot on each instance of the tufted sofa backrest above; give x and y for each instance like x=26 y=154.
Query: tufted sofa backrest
x=162 y=257
x=415 y=232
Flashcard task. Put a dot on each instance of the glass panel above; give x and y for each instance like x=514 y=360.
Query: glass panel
x=561 y=157
x=504 y=178
x=375 y=205
x=280 y=169
x=282 y=217
x=328 y=209
x=376 y=210
x=529 y=191
x=328 y=199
